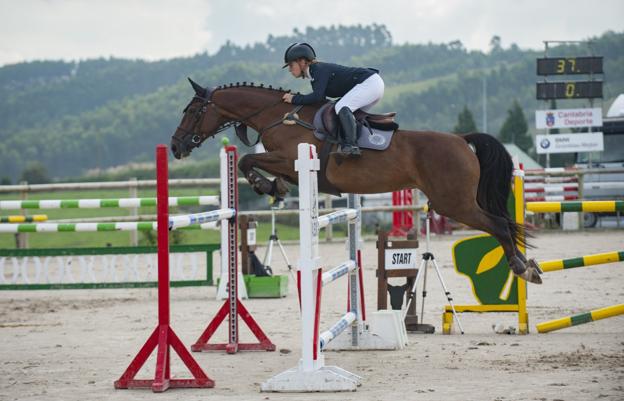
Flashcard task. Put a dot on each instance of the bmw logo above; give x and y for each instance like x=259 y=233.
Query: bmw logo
x=545 y=143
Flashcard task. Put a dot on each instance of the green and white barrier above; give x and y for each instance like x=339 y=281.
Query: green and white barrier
x=128 y=203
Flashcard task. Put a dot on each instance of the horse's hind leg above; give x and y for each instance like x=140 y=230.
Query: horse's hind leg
x=498 y=227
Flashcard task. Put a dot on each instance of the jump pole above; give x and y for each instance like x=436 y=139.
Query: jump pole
x=587 y=260
x=582 y=318
x=163 y=336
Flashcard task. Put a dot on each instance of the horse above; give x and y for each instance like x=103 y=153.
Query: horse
x=465 y=177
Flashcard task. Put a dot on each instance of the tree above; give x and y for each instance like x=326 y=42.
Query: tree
x=456 y=45
x=465 y=122
x=515 y=128
x=495 y=44
x=35 y=173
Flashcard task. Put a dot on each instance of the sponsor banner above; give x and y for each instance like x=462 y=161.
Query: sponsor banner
x=401 y=258
x=568 y=118
x=568 y=143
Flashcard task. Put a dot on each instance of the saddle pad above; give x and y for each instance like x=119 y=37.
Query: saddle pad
x=374 y=139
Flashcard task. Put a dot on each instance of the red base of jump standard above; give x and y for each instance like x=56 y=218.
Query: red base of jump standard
x=163 y=336
x=233 y=345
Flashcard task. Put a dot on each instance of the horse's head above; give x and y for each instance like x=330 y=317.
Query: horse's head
x=199 y=122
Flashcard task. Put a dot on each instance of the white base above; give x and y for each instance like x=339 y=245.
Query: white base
x=386 y=332
x=222 y=291
x=389 y=325
x=327 y=378
x=570 y=221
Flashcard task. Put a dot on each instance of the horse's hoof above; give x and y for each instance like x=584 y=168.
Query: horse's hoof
x=531 y=275
x=259 y=184
x=280 y=188
x=517 y=266
x=276 y=200
x=535 y=265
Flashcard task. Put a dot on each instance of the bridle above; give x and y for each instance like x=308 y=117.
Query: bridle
x=240 y=125
x=198 y=115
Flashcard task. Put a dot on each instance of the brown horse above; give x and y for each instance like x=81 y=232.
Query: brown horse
x=466 y=178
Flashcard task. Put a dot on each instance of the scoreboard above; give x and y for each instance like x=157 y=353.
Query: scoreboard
x=569 y=90
x=569 y=65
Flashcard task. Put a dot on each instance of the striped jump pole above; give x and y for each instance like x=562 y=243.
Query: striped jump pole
x=581 y=206
x=582 y=318
x=24 y=219
x=77 y=227
x=551 y=187
x=338 y=271
x=200 y=218
x=587 y=260
x=128 y=203
x=340 y=326
x=551 y=198
x=163 y=336
x=93 y=227
x=340 y=216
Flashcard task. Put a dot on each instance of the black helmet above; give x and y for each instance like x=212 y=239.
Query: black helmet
x=298 y=50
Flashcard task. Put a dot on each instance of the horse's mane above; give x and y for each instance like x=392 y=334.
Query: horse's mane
x=244 y=84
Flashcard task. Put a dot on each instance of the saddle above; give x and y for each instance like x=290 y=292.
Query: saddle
x=374 y=132
x=331 y=125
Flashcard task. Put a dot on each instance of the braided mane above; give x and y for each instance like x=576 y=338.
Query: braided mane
x=244 y=84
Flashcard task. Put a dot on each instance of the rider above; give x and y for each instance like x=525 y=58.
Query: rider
x=358 y=88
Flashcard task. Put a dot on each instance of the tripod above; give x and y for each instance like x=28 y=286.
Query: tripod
x=422 y=272
x=272 y=240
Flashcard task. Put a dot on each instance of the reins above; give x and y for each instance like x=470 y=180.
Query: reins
x=240 y=123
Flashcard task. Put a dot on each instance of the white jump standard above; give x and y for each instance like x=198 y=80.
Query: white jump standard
x=311 y=374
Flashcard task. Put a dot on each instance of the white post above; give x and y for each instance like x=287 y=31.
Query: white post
x=307 y=165
x=311 y=374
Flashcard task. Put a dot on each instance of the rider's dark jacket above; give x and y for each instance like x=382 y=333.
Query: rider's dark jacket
x=332 y=80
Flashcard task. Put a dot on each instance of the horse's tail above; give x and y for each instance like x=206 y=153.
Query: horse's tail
x=495 y=180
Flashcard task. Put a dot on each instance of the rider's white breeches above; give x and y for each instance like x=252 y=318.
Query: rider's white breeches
x=363 y=96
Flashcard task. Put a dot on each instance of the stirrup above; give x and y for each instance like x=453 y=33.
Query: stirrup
x=350 y=150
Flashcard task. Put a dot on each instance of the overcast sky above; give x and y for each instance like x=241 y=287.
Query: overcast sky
x=157 y=29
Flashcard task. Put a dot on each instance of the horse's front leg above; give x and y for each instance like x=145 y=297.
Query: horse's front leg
x=274 y=163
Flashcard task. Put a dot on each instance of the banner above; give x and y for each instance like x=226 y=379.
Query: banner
x=568 y=143
x=568 y=118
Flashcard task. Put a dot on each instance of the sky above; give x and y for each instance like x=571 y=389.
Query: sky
x=161 y=29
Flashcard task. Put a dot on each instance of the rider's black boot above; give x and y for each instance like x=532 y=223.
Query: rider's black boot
x=349 y=135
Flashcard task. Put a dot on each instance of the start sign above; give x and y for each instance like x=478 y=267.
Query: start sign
x=400 y=258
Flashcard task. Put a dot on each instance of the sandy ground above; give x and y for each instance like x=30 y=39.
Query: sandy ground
x=72 y=345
